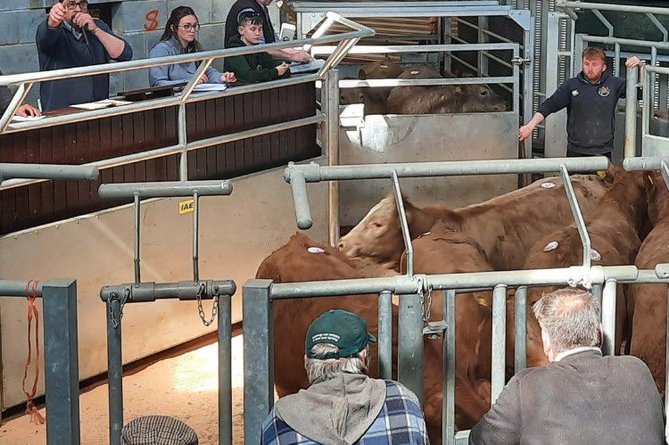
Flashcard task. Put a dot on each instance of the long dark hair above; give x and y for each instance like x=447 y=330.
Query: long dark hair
x=173 y=22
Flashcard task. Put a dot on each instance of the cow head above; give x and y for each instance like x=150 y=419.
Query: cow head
x=379 y=235
x=478 y=98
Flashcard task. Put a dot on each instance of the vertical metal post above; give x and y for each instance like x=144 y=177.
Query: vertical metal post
x=331 y=108
x=520 y=327
x=258 y=357
x=448 y=402
x=183 y=142
x=528 y=79
x=498 y=340
x=578 y=217
x=554 y=133
x=666 y=374
x=597 y=294
x=385 y=345
x=630 y=112
x=61 y=355
x=647 y=110
x=114 y=371
x=410 y=354
x=404 y=223
x=138 y=276
x=608 y=309
x=225 y=370
x=196 y=233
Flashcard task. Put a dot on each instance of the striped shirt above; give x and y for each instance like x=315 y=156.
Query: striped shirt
x=399 y=422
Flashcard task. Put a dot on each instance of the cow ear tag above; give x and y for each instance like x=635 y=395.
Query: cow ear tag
x=594 y=255
x=315 y=250
x=551 y=246
x=601 y=174
x=547 y=185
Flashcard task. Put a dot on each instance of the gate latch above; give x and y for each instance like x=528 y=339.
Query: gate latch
x=520 y=61
x=435 y=329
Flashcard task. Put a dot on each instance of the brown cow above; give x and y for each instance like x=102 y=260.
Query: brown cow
x=614 y=228
x=505 y=227
x=443 y=250
x=374 y=98
x=303 y=259
x=648 y=302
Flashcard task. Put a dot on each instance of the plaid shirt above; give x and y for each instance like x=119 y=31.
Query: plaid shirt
x=399 y=422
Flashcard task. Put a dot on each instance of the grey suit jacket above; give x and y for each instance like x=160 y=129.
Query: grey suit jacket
x=583 y=399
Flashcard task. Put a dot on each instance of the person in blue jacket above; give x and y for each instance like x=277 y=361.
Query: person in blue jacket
x=591 y=99
x=180 y=38
x=68 y=38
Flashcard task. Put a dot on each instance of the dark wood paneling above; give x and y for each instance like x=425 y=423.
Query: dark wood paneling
x=83 y=142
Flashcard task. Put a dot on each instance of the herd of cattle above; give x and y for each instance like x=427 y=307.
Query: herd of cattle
x=627 y=215
x=418 y=99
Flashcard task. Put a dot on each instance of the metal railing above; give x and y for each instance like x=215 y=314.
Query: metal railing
x=117 y=296
x=61 y=354
x=259 y=294
x=25 y=81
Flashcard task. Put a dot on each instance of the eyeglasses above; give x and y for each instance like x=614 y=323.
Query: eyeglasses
x=246 y=15
x=191 y=27
x=83 y=5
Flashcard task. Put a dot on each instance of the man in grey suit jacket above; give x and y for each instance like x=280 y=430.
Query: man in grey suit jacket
x=581 y=397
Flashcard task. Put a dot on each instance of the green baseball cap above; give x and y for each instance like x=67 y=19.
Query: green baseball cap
x=341 y=328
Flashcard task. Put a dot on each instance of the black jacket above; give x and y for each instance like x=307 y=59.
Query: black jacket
x=257 y=67
x=591 y=111
x=584 y=399
x=231 y=22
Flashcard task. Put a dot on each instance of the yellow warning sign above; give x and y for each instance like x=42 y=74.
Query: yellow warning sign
x=186 y=206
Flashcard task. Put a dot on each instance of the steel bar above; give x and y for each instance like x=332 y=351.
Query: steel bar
x=597 y=293
x=498 y=376
x=298 y=187
x=331 y=92
x=48 y=171
x=19 y=288
x=578 y=217
x=608 y=309
x=225 y=370
x=183 y=290
x=166 y=189
x=644 y=163
x=196 y=233
x=659 y=25
x=315 y=173
x=520 y=327
x=158 y=103
x=61 y=362
x=666 y=375
x=626 y=42
x=410 y=344
x=404 y=224
x=448 y=403
x=630 y=112
x=258 y=357
x=17 y=99
x=12 y=79
x=385 y=345
x=114 y=370
x=424 y=82
x=401 y=284
x=138 y=231
x=391 y=49
x=610 y=7
x=183 y=143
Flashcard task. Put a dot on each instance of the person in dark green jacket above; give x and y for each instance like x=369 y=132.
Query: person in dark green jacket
x=257 y=67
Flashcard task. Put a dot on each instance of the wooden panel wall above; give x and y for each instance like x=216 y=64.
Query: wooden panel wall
x=79 y=143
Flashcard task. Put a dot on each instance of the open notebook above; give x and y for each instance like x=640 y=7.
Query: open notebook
x=310 y=67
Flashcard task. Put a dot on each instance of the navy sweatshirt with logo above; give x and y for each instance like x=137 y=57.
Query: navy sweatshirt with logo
x=591 y=110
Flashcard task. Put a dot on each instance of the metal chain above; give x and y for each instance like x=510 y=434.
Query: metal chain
x=427 y=309
x=214 y=310
x=114 y=296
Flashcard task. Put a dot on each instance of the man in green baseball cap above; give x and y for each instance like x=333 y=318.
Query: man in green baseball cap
x=343 y=405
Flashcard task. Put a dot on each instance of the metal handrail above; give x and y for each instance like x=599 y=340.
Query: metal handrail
x=611 y=7
x=26 y=80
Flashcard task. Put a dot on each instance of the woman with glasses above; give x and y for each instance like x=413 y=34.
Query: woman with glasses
x=180 y=38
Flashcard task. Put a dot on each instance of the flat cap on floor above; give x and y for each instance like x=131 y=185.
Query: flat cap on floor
x=158 y=430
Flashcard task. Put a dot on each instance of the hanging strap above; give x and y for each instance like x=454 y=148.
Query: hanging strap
x=31 y=409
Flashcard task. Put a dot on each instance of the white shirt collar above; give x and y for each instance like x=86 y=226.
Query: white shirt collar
x=569 y=352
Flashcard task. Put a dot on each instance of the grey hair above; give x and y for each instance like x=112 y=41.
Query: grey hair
x=570 y=317
x=321 y=370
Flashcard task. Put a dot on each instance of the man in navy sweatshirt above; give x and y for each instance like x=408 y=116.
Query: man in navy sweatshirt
x=591 y=99
x=70 y=37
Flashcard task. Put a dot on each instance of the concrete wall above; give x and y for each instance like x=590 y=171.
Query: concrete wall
x=236 y=233
x=140 y=22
